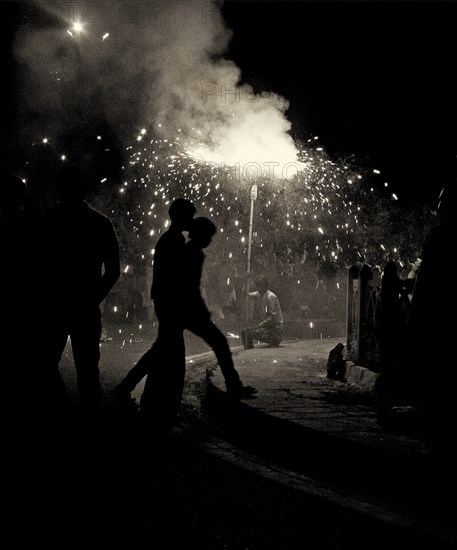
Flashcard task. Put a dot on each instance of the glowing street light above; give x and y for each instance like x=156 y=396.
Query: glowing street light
x=78 y=26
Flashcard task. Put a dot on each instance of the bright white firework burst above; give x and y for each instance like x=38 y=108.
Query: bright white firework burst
x=313 y=207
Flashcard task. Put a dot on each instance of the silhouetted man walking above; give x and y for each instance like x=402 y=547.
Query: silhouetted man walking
x=185 y=308
x=81 y=266
x=164 y=363
x=197 y=315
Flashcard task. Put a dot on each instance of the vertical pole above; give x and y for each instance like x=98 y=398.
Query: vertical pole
x=248 y=266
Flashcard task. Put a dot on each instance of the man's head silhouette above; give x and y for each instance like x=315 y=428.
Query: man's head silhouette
x=201 y=231
x=262 y=285
x=181 y=213
x=70 y=185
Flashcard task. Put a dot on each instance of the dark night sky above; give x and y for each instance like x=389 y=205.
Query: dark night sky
x=372 y=79
x=376 y=79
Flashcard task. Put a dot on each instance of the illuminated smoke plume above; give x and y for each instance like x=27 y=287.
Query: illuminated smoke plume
x=155 y=64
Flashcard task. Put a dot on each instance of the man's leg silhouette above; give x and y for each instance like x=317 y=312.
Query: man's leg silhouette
x=213 y=336
x=85 y=343
x=162 y=393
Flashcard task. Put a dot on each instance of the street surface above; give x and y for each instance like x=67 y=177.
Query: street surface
x=111 y=485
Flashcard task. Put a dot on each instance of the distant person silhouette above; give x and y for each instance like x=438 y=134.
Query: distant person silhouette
x=19 y=222
x=164 y=363
x=270 y=328
x=196 y=317
x=81 y=265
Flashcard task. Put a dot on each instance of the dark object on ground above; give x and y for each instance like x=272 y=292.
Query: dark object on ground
x=335 y=363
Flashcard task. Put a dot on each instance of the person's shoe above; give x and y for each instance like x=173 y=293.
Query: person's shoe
x=243 y=392
x=247 y=391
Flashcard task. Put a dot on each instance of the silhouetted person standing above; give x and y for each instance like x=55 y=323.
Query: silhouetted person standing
x=164 y=363
x=81 y=263
x=432 y=332
x=19 y=220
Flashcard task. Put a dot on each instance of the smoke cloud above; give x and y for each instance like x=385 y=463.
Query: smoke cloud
x=148 y=64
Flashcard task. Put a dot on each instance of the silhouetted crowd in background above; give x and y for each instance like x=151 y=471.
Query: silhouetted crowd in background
x=306 y=290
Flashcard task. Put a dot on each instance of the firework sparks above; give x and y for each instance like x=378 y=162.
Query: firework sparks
x=318 y=205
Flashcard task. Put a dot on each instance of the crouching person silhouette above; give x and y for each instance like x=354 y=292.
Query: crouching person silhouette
x=270 y=328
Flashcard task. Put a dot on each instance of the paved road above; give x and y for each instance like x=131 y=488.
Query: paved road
x=200 y=489
x=188 y=496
